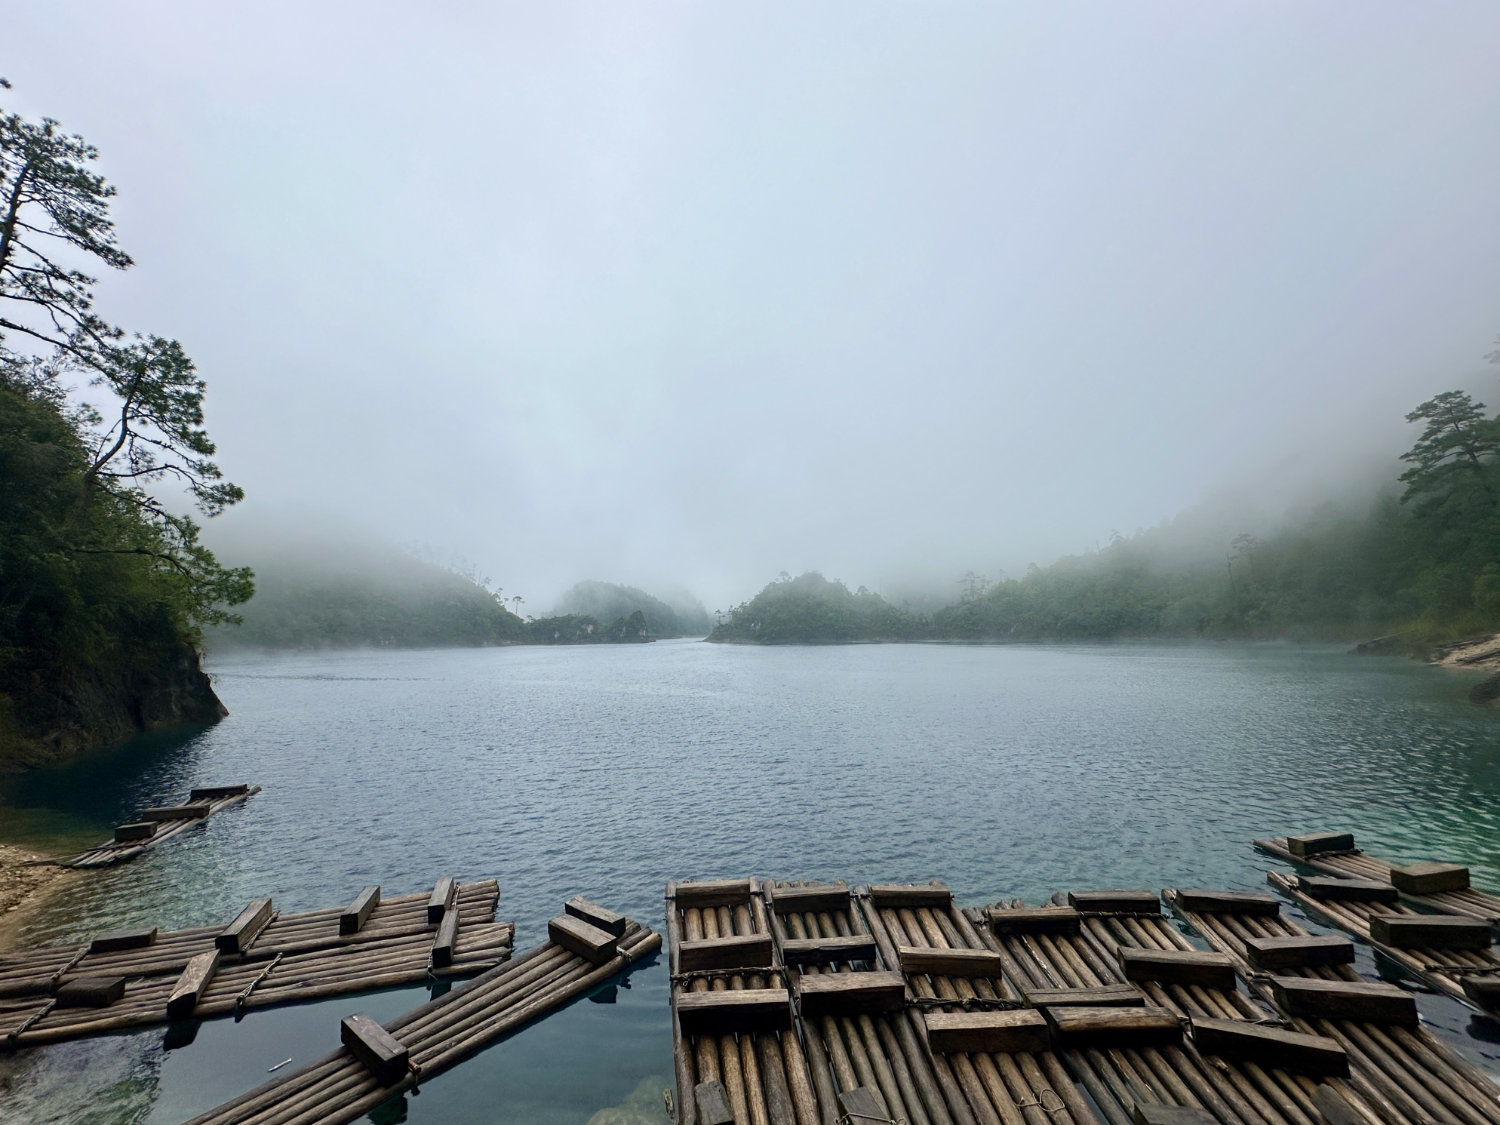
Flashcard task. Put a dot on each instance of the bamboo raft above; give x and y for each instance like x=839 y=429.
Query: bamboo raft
x=809 y=1004
x=161 y=824
x=586 y=947
x=125 y=980
x=1399 y=1071
x=1440 y=887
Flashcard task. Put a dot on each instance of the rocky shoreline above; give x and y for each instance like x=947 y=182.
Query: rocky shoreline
x=1474 y=654
x=26 y=882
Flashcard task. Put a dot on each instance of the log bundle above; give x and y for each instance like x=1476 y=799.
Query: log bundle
x=257 y=959
x=158 y=825
x=378 y=1062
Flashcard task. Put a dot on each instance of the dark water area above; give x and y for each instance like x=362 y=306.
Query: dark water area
x=1005 y=771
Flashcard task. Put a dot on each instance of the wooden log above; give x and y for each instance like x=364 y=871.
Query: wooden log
x=739 y=1009
x=825 y=898
x=950 y=962
x=90 y=992
x=828 y=951
x=1108 y=995
x=1233 y=902
x=1177 y=966
x=1309 y=998
x=1024 y=1029
x=1315 y=1055
x=841 y=994
x=893 y=896
x=1316 y=843
x=129 y=833
x=1483 y=990
x=1146 y=1026
x=443 y=894
x=383 y=1056
x=577 y=936
x=1268 y=953
x=712 y=1103
x=595 y=915
x=1115 y=902
x=123 y=939
x=1430 y=878
x=1334 y=1108
x=447 y=939
x=1429 y=931
x=247 y=926
x=217 y=792
x=1037 y=920
x=713 y=892
x=176 y=812
x=742 y=951
x=352 y=920
x=1347 y=890
x=1144 y=1114
x=192 y=984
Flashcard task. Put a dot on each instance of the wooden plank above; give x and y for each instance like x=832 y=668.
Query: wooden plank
x=237 y=936
x=577 y=936
x=828 y=951
x=915 y=895
x=1109 y=995
x=743 y=951
x=1035 y=920
x=447 y=938
x=192 y=984
x=352 y=920
x=838 y=994
x=1316 y=843
x=1177 y=966
x=443 y=895
x=1483 y=990
x=1146 y=1026
x=1429 y=931
x=1024 y=1029
x=1268 y=953
x=861 y=1105
x=950 y=962
x=713 y=1103
x=1144 y=1114
x=595 y=915
x=825 y=898
x=1347 y=890
x=90 y=992
x=713 y=892
x=176 y=812
x=217 y=792
x=736 y=1009
x=1344 y=1000
x=130 y=833
x=1115 y=902
x=380 y=1052
x=1315 y=1055
x=1430 y=878
x=123 y=939
x=1232 y=902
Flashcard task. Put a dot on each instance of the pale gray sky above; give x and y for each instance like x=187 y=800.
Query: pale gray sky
x=708 y=291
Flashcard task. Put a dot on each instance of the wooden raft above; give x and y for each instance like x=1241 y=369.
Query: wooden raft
x=378 y=1062
x=1419 y=884
x=1399 y=1071
x=257 y=960
x=155 y=826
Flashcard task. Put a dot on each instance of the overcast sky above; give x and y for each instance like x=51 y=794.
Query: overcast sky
x=708 y=291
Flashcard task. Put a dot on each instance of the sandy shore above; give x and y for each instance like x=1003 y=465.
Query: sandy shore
x=24 y=887
x=1481 y=653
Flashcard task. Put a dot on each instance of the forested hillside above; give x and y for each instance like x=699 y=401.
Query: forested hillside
x=606 y=601
x=810 y=609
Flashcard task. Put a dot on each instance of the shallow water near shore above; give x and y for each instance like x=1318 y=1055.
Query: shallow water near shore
x=1003 y=770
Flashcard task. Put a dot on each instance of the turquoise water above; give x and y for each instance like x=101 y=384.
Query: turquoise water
x=1005 y=771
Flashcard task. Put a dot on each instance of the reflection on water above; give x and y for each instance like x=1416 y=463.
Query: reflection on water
x=606 y=771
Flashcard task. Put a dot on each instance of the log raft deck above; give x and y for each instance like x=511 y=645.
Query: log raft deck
x=587 y=945
x=811 y=1004
x=121 y=981
x=157 y=825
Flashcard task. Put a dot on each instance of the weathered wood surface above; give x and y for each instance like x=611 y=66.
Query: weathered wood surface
x=1317 y=843
x=1274 y=953
x=897 y=895
x=1177 y=966
x=599 y=917
x=176 y=812
x=352 y=920
x=376 y=1048
x=1107 y=995
x=130 y=840
x=1367 y=1001
x=817 y=898
x=131 y=833
x=837 y=994
x=741 y=951
x=1148 y=1114
x=828 y=950
x=123 y=939
x=589 y=942
x=1429 y=931
x=445 y=943
x=1317 y=1055
x=713 y=1103
x=742 y=1009
x=90 y=992
x=1115 y=902
x=192 y=984
x=240 y=934
x=441 y=900
x=950 y=962
x=1351 y=890
x=1039 y=920
x=714 y=892
x=218 y=792
x=1430 y=878
x=1148 y=1025
x=1238 y=902
x=1024 y=1029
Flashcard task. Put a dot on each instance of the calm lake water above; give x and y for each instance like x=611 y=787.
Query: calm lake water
x=606 y=771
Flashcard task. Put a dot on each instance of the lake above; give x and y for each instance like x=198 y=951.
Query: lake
x=605 y=771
